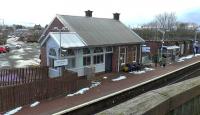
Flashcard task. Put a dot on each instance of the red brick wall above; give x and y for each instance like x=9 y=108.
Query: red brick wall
x=43 y=56
x=129 y=55
x=55 y=23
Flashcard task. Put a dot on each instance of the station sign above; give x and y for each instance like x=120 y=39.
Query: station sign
x=145 y=49
x=60 y=62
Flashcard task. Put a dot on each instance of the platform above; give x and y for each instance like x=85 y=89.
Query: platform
x=107 y=87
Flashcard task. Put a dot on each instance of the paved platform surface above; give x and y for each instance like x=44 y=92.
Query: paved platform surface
x=107 y=87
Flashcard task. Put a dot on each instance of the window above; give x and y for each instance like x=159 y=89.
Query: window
x=123 y=55
x=98 y=50
x=134 y=53
x=97 y=59
x=52 y=52
x=109 y=49
x=70 y=52
x=67 y=52
x=86 y=60
x=188 y=46
x=86 y=51
x=71 y=63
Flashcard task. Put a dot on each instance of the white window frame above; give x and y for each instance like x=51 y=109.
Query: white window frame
x=100 y=62
x=124 y=60
x=136 y=49
x=54 y=57
x=87 y=55
x=98 y=54
x=109 y=51
x=188 y=46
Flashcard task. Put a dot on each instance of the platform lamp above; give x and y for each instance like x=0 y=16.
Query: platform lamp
x=162 y=41
x=195 y=38
x=60 y=30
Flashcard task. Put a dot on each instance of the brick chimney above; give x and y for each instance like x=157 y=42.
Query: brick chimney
x=88 y=13
x=116 y=16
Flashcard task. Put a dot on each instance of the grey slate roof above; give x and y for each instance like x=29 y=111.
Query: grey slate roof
x=100 y=31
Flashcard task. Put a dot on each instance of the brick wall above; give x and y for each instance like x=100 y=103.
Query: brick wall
x=55 y=23
x=129 y=55
x=43 y=56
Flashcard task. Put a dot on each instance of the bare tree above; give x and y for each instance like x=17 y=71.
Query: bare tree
x=166 y=21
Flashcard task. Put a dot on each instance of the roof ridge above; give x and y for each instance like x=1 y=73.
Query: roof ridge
x=88 y=17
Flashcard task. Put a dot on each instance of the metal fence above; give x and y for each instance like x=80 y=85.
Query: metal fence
x=35 y=85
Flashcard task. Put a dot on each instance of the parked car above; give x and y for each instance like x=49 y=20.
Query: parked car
x=18 y=46
x=7 y=48
x=3 y=49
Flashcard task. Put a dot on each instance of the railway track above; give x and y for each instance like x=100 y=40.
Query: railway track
x=116 y=98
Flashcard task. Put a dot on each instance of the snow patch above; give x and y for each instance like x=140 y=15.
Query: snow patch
x=94 y=84
x=148 y=69
x=16 y=57
x=185 y=57
x=180 y=60
x=28 y=48
x=82 y=91
x=24 y=63
x=119 y=78
x=13 y=111
x=197 y=55
x=105 y=77
x=138 y=72
x=18 y=51
x=4 y=63
x=34 y=104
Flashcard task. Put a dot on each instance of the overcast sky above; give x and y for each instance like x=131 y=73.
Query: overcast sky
x=133 y=12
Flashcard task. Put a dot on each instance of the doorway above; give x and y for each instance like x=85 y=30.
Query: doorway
x=108 y=62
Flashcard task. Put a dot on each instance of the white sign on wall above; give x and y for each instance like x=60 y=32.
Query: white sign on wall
x=145 y=49
x=60 y=62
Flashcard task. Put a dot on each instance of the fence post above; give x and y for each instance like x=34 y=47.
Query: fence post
x=1 y=100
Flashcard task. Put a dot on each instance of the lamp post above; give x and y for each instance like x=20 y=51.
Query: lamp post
x=195 y=40
x=162 y=42
x=60 y=30
x=2 y=22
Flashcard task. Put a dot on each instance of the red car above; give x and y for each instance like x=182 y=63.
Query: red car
x=3 y=49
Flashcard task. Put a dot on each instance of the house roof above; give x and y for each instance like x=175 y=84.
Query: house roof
x=100 y=31
x=66 y=39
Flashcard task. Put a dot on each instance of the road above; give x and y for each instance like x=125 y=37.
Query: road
x=27 y=55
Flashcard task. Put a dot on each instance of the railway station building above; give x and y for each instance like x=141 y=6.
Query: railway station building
x=89 y=44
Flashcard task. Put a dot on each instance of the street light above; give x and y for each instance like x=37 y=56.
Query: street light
x=2 y=22
x=60 y=30
x=163 y=35
x=195 y=40
x=196 y=30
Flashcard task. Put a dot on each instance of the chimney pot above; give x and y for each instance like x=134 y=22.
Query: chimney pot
x=88 y=13
x=116 y=16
